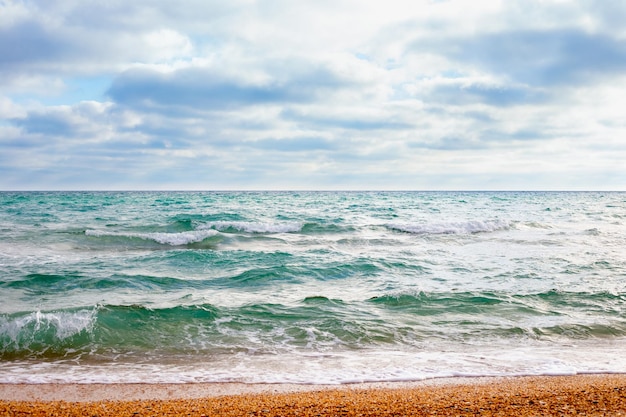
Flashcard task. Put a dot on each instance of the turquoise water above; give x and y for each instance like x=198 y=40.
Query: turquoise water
x=309 y=287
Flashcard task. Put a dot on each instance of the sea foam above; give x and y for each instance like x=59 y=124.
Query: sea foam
x=40 y=330
x=172 y=239
x=255 y=227
x=474 y=226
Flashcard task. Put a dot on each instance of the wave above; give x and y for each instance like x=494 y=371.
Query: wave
x=535 y=314
x=47 y=284
x=171 y=239
x=45 y=334
x=434 y=304
x=469 y=227
x=253 y=227
x=322 y=227
x=315 y=324
x=114 y=332
x=99 y=330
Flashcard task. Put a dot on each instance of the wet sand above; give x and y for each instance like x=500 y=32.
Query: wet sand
x=591 y=395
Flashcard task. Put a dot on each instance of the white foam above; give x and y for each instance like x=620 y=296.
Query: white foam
x=65 y=324
x=256 y=227
x=474 y=226
x=331 y=367
x=172 y=239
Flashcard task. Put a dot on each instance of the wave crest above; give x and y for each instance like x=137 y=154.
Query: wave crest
x=469 y=227
x=171 y=239
x=40 y=333
x=254 y=227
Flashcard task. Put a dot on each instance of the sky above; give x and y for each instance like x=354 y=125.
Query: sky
x=312 y=95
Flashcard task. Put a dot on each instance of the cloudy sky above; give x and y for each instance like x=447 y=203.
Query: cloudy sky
x=342 y=94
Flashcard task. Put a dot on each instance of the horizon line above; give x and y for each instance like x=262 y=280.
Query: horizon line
x=312 y=190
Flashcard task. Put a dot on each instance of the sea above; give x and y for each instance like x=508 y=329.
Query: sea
x=310 y=287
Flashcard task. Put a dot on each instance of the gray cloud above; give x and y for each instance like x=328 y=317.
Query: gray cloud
x=64 y=121
x=541 y=58
x=200 y=88
x=450 y=143
x=27 y=42
x=47 y=124
x=302 y=144
x=459 y=94
x=345 y=122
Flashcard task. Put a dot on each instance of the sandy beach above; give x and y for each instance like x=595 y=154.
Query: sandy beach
x=590 y=395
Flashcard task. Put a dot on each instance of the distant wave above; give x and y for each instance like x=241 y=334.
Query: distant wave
x=254 y=227
x=172 y=239
x=469 y=227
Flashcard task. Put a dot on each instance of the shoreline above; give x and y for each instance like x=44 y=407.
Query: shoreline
x=90 y=392
x=588 y=394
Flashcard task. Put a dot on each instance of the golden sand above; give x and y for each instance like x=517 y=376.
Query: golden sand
x=590 y=395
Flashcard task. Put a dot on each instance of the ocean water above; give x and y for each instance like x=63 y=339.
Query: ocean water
x=309 y=287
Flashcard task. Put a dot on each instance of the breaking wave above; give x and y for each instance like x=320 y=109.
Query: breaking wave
x=254 y=227
x=469 y=227
x=171 y=239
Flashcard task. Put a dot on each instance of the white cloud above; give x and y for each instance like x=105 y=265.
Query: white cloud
x=10 y=110
x=343 y=94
